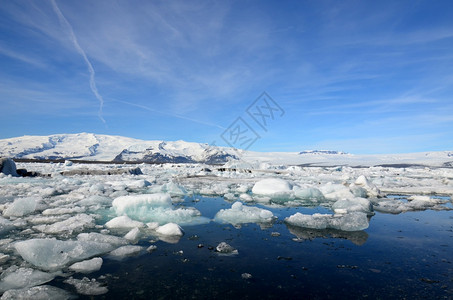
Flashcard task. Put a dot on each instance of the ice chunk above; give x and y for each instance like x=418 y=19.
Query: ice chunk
x=43 y=292
x=225 y=248
x=87 y=287
x=239 y=213
x=53 y=254
x=87 y=266
x=371 y=189
x=133 y=234
x=350 y=205
x=123 y=222
x=17 y=278
x=124 y=251
x=272 y=186
x=21 y=207
x=336 y=191
x=63 y=210
x=102 y=238
x=308 y=193
x=171 y=229
x=348 y=222
x=75 y=223
x=5 y=225
x=155 y=208
x=95 y=200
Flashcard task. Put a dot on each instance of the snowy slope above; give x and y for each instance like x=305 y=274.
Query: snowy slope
x=96 y=147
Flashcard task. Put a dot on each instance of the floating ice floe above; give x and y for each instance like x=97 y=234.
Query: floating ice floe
x=42 y=292
x=170 y=229
x=239 y=214
x=225 y=248
x=156 y=208
x=76 y=223
x=371 y=189
x=124 y=251
x=308 y=193
x=88 y=287
x=413 y=203
x=354 y=221
x=53 y=254
x=123 y=222
x=87 y=266
x=353 y=205
x=21 y=207
x=17 y=278
x=272 y=187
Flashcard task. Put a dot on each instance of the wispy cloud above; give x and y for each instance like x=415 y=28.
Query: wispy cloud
x=79 y=49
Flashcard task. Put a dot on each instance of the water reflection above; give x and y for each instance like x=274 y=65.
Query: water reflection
x=303 y=234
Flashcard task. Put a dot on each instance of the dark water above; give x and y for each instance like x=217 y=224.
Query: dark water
x=405 y=256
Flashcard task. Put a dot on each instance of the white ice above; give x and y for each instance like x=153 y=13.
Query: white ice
x=88 y=287
x=272 y=186
x=170 y=229
x=240 y=213
x=348 y=222
x=21 y=207
x=53 y=254
x=42 y=292
x=87 y=266
x=17 y=278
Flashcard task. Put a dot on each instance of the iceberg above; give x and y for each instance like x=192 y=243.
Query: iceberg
x=170 y=229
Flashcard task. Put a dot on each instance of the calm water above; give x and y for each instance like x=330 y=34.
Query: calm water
x=406 y=256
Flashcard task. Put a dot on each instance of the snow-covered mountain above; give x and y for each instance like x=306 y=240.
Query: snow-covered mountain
x=96 y=147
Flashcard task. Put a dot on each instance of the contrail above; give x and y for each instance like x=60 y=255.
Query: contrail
x=79 y=49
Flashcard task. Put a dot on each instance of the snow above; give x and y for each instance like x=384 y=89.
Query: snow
x=17 y=278
x=170 y=229
x=87 y=266
x=239 y=214
x=348 y=222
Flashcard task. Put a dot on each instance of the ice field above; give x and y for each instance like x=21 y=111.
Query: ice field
x=196 y=230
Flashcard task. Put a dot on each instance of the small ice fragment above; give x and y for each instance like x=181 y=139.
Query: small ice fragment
x=225 y=248
x=123 y=222
x=172 y=229
x=133 y=234
x=75 y=223
x=87 y=287
x=124 y=251
x=151 y=248
x=87 y=266
x=246 y=276
x=46 y=292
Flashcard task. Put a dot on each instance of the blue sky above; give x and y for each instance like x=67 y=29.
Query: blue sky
x=355 y=76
